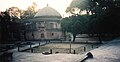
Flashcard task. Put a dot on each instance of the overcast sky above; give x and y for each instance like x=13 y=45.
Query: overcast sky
x=59 y=5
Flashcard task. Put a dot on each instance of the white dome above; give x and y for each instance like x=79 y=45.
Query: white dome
x=47 y=11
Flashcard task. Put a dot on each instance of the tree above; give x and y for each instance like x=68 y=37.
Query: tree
x=104 y=15
x=15 y=12
x=81 y=6
x=104 y=11
x=74 y=24
x=10 y=30
x=4 y=25
x=31 y=11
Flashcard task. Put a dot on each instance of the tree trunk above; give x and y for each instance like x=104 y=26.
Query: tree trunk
x=74 y=36
x=99 y=37
x=64 y=34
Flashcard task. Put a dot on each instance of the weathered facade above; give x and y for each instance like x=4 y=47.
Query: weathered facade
x=44 y=25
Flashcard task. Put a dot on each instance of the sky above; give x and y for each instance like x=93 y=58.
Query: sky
x=59 y=5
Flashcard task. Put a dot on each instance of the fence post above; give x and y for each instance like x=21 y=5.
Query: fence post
x=31 y=50
x=74 y=52
x=39 y=43
x=84 y=49
x=18 y=48
x=92 y=46
x=86 y=41
x=51 y=51
x=61 y=40
x=30 y=45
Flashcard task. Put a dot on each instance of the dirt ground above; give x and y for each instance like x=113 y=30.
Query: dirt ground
x=65 y=48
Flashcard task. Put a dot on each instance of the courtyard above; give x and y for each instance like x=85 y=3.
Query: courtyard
x=100 y=55
x=76 y=48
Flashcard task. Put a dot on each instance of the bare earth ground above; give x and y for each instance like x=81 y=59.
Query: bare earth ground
x=62 y=45
x=65 y=48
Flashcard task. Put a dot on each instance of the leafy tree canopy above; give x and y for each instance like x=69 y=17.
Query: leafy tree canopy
x=94 y=6
x=105 y=14
x=75 y=24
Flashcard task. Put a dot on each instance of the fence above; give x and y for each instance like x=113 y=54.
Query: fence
x=78 y=50
x=41 y=48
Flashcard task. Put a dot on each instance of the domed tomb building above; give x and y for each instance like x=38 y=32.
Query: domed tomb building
x=44 y=25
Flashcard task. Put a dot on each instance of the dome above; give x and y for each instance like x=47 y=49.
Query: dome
x=47 y=12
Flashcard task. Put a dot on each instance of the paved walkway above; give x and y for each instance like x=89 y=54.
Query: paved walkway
x=38 y=57
x=26 y=47
x=106 y=53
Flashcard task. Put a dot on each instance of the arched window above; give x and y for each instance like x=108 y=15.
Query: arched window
x=42 y=35
x=52 y=34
